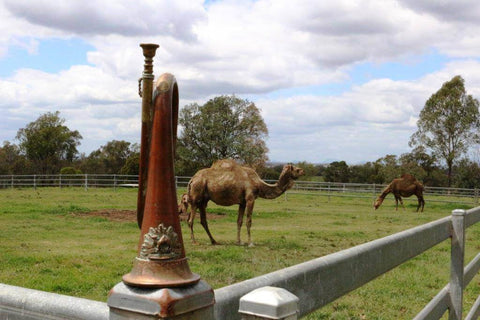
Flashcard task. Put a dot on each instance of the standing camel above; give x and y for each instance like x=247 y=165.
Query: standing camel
x=405 y=186
x=227 y=183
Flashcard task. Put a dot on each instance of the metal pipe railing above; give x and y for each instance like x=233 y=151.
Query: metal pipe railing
x=320 y=281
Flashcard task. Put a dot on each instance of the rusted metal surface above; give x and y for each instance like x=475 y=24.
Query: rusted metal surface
x=161 y=260
x=149 y=50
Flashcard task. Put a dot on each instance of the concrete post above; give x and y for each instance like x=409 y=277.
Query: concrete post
x=182 y=303
x=269 y=303
x=457 y=263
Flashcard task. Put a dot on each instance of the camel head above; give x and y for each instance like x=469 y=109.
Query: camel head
x=292 y=172
x=289 y=174
x=183 y=205
x=377 y=203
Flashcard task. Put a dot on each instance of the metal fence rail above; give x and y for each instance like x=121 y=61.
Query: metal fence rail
x=323 y=280
x=326 y=189
x=371 y=191
x=316 y=282
x=67 y=180
x=17 y=303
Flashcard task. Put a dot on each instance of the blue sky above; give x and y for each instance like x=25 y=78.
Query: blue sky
x=52 y=55
x=406 y=69
x=363 y=72
x=343 y=86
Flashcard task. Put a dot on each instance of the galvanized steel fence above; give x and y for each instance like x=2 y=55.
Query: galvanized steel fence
x=67 y=180
x=316 y=283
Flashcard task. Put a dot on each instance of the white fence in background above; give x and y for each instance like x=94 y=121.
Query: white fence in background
x=68 y=180
x=327 y=189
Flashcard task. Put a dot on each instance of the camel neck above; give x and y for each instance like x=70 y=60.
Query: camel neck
x=271 y=191
x=385 y=192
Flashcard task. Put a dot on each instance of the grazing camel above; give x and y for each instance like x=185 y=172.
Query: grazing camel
x=227 y=183
x=405 y=186
x=183 y=205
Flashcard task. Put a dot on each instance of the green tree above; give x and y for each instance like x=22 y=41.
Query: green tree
x=224 y=127
x=467 y=174
x=10 y=158
x=448 y=123
x=270 y=172
x=337 y=171
x=365 y=173
x=70 y=170
x=310 y=170
x=48 y=143
x=109 y=158
x=421 y=165
x=388 y=168
x=132 y=164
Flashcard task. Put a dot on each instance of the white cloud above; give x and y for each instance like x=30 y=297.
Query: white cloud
x=107 y=17
x=247 y=48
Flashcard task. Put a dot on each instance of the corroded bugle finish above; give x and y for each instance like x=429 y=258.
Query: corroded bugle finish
x=161 y=260
x=149 y=50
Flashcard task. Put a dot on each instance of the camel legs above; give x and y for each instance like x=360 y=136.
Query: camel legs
x=241 y=212
x=203 y=221
x=398 y=198
x=191 y=217
x=249 y=220
x=421 y=203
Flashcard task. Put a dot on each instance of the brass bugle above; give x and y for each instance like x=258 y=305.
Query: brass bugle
x=145 y=91
x=161 y=260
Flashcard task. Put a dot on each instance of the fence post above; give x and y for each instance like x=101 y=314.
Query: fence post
x=34 y=182
x=456 y=263
x=476 y=196
x=269 y=303
x=86 y=181
x=114 y=182
x=328 y=191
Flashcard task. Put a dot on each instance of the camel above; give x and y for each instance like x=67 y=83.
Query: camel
x=405 y=186
x=183 y=205
x=227 y=183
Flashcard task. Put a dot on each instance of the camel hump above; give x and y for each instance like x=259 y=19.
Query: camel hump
x=409 y=177
x=224 y=164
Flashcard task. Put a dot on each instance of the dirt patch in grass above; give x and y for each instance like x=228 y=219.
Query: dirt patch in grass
x=110 y=214
x=131 y=215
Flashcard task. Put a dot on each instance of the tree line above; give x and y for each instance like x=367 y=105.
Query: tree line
x=230 y=127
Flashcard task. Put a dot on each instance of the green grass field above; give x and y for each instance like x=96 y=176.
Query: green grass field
x=49 y=242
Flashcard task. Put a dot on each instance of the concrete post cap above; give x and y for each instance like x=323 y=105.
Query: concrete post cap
x=269 y=302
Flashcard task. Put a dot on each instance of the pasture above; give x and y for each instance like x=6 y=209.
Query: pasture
x=80 y=243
